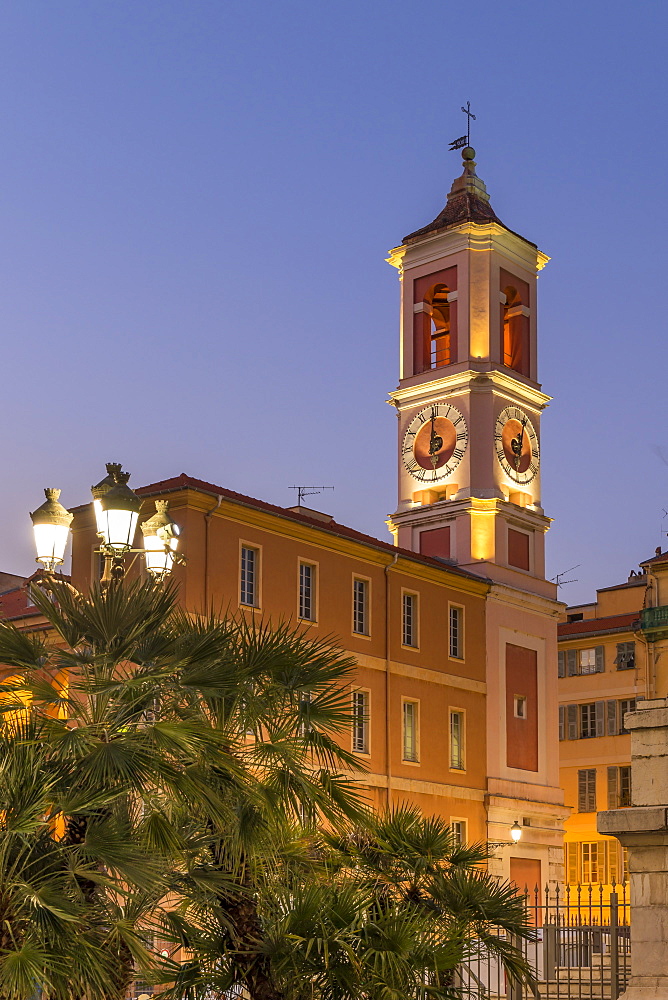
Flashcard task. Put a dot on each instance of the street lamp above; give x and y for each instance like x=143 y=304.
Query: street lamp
x=51 y=524
x=516 y=836
x=161 y=539
x=116 y=509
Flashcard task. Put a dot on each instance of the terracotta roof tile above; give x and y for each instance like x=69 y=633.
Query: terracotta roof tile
x=332 y=527
x=611 y=623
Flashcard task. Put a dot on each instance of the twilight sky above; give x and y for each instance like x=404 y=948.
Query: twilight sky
x=196 y=200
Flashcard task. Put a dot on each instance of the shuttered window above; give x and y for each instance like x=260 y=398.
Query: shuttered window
x=587 y=790
x=611 y=718
x=625 y=705
x=562 y=722
x=619 y=787
x=571 y=722
x=584 y=661
x=561 y=663
x=593 y=862
x=626 y=655
x=592 y=720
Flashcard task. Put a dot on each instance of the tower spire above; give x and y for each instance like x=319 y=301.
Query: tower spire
x=468 y=200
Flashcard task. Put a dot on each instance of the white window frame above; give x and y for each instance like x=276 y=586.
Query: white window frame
x=459 y=768
x=257 y=582
x=364 y=745
x=313 y=566
x=459 y=655
x=415 y=623
x=416 y=725
x=463 y=824
x=357 y=577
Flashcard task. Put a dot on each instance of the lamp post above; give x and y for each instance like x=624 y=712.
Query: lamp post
x=116 y=509
x=515 y=837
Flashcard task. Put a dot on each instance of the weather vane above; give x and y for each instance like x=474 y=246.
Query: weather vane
x=465 y=140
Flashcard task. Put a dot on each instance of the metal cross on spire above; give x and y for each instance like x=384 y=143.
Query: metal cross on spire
x=467 y=111
x=465 y=140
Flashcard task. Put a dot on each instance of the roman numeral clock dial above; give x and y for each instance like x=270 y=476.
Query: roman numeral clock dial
x=435 y=442
x=516 y=445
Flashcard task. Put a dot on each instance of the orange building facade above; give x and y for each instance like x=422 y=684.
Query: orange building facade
x=415 y=626
x=612 y=653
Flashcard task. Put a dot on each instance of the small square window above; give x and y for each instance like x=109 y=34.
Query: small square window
x=520 y=706
x=458 y=827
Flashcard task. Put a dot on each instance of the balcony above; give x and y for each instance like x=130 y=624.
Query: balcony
x=654 y=620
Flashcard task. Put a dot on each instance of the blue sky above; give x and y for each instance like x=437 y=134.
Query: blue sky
x=196 y=200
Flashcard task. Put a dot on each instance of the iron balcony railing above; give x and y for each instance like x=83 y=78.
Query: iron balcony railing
x=654 y=618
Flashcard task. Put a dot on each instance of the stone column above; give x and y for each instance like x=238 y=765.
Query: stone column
x=643 y=829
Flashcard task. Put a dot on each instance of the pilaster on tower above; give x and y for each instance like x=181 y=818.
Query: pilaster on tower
x=468 y=400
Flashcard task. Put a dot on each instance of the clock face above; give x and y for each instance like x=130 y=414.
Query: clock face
x=435 y=442
x=516 y=444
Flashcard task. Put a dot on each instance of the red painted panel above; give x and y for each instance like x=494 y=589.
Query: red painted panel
x=518 y=549
x=435 y=542
x=522 y=734
x=525 y=873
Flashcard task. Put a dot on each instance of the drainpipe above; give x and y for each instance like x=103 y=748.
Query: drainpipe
x=387 y=679
x=207 y=517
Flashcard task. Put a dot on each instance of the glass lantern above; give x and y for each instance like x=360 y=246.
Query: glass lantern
x=51 y=525
x=161 y=539
x=118 y=514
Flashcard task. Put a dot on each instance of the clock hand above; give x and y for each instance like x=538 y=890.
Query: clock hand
x=435 y=441
x=517 y=444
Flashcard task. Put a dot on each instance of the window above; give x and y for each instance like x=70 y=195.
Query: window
x=305 y=699
x=592 y=862
x=576 y=617
x=360 y=721
x=587 y=790
x=439 y=334
x=250 y=559
x=409 y=634
x=581 y=661
x=410 y=724
x=520 y=703
x=457 y=740
x=625 y=705
x=588 y=720
x=456 y=632
x=626 y=655
x=307 y=591
x=587 y=661
x=361 y=606
x=619 y=787
x=458 y=827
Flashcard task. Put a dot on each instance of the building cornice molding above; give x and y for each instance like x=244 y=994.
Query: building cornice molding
x=474 y=236
x=459 y=383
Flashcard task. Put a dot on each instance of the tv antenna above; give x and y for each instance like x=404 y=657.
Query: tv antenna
x=561 y=583
x=307 y=491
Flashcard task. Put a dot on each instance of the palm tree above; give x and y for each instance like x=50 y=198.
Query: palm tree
x=401 y=910
x=176 y=748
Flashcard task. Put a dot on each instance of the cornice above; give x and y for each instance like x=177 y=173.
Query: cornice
x=474 y=236
x=470 y=380
x=503 y=593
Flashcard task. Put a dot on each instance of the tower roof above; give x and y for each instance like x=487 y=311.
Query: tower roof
x=468 y=201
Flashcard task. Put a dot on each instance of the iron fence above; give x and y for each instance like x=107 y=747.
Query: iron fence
x=579 y=949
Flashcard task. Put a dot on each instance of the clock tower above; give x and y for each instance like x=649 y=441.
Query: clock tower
x=469 y=409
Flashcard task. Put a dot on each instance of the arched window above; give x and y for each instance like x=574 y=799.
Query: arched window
x=515 y=332
x=440 y=347
x=435 y=324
